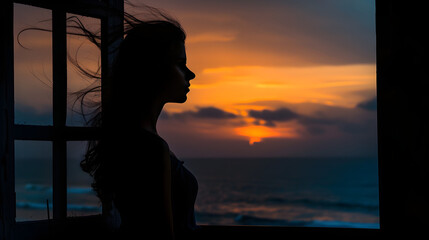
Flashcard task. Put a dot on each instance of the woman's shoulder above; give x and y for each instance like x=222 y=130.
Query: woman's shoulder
x=152 y=139
x=141 y=152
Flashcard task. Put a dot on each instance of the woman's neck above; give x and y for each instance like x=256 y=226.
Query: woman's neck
x=150 y=115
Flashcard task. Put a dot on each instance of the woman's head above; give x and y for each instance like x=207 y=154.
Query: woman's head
x=151 y=63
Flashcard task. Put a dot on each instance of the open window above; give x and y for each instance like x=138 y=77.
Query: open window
x=36 y=116
x=56 y=136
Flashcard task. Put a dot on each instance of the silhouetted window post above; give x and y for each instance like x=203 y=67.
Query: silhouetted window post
x=58 y=133
x=7 y=178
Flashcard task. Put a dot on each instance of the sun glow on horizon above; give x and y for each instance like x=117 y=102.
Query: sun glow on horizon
x=257 y=133
x=252 y=140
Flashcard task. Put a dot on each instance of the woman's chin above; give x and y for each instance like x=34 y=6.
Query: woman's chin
x=180 y=99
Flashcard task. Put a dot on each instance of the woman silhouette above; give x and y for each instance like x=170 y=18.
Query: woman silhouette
x=135 y=174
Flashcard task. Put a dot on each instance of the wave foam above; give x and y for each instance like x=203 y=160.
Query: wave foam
x=71 y=190
x=42 y=206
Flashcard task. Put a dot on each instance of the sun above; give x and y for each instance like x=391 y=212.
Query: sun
x=252 y=140
x=256 y=133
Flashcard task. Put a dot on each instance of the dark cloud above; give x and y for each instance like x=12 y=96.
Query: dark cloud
x=207 y=146
x=299 y=32
x=27 y=115
x=357 y=128
x=284 y=115
x=360 y=125
x=370 y=105
x=317 y=121
x=324 y=120
x=280 y=115
x=316 y=130
x=212 y=112
x=203 y=113
x=164 y=115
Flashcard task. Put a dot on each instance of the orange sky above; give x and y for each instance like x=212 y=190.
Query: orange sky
x=233 y=73
x=319 y=63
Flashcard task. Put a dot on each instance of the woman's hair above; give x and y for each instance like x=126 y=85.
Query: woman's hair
x=137 y=73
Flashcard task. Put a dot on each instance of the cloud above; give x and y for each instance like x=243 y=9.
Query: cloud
x=164 y=115
x=187 y=143
x=25 y=114
x=321 y=130
x=212 y=112
x=370 y=105
x=318 y=120
x=204 y=113
x=322 y=119
x=269 y=116
x=211 y=37
x=297 y=32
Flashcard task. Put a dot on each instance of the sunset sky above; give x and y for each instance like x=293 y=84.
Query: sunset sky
x=274 y=78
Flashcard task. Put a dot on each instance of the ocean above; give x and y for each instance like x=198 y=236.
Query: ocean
x=304 y=192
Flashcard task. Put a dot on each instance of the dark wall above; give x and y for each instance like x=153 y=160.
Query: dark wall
x=403 y=82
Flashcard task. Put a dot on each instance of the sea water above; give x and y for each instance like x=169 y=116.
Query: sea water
x=316 y=192
x=312 y=192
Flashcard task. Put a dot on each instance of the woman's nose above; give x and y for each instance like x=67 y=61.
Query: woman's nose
x=191 y=75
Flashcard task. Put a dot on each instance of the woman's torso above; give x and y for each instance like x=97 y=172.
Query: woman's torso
x=138 y=193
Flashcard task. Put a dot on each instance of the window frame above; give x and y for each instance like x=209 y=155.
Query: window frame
x=393 y=46
x=59 y=134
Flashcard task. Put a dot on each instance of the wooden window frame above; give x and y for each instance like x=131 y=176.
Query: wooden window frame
x=402 y=209
x=58 y=133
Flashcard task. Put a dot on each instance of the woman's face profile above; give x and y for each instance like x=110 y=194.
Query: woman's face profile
x=179 y=78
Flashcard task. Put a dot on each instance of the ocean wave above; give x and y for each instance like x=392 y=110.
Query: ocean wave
x=37 y=187
x=32 y=205
x=84 y=208
x=242 y=219
x=80 y=190
x=252 y=220
x=340 y=224
x=42 y=206
x=324 y=204
x=48 y=189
